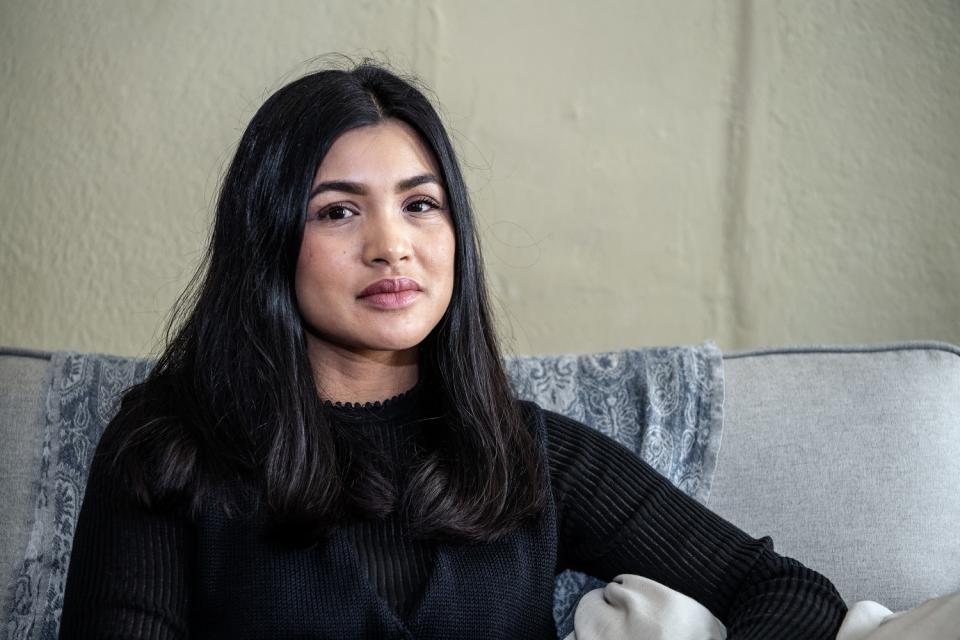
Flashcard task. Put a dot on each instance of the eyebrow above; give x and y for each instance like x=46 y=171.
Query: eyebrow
x=357 y=188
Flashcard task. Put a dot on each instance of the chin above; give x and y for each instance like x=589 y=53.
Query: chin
x=391 y=342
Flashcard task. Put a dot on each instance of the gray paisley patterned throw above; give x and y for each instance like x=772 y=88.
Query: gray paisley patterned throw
x=83 y=395
x=663 y=403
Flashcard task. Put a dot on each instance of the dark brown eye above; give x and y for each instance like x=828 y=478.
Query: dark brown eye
x=336 y=212
x=422 y=206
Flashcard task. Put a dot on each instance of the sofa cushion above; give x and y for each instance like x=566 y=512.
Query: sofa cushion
x=849 y=458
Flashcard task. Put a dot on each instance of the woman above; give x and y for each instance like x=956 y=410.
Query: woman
x=329 y=448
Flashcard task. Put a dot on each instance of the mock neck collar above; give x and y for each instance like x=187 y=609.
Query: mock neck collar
x=392 y=409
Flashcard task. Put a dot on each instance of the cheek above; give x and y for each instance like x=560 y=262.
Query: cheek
x=318 y=252
x=305 y=269
x=442 y=264
x=444 y=252
x=317 y=269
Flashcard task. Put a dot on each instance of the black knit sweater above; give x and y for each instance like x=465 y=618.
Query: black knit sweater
x=135 y=573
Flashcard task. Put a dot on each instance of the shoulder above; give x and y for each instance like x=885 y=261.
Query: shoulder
x=146 y=454
x=571 y=443
x=533 y=413
x=564 y=432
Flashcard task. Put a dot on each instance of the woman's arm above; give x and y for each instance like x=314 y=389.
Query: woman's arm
x=130 y=566
x=618 y=515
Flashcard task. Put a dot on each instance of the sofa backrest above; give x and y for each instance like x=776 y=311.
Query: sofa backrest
x=848 y=457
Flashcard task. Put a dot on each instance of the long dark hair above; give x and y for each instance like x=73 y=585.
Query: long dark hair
x=233 y=394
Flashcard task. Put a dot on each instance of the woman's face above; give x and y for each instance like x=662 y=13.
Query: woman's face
x=375 y=270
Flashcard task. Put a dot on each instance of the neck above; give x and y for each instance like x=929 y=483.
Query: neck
x=342 y=375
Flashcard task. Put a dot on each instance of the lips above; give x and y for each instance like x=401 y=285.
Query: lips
x=390 y=285
x=390 y=293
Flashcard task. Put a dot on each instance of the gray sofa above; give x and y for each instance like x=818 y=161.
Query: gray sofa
x=848 y=457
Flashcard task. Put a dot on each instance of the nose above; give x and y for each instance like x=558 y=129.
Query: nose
x=387 y=241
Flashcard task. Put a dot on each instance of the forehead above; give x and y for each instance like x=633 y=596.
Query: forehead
x=388 y=151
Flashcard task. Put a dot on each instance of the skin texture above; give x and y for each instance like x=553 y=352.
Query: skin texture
x=366 y=222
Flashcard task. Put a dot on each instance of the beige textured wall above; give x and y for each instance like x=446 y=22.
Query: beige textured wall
x=851 y=191
x=644 y=172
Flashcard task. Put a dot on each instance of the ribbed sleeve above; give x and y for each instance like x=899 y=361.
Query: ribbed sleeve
x=618 y=515
x=130 y=568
